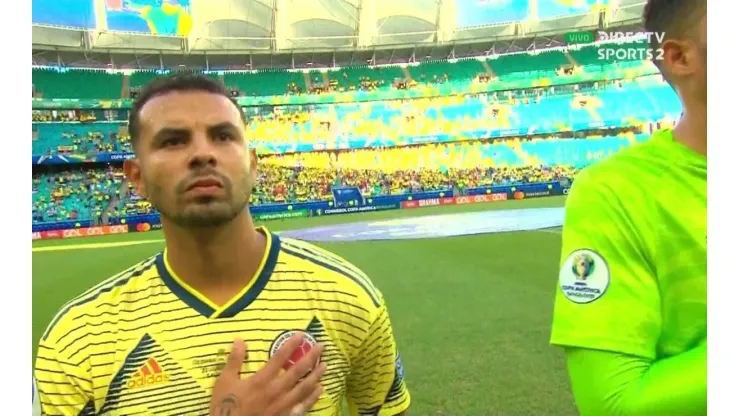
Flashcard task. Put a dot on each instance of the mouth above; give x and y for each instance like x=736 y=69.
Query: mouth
x=205 y=185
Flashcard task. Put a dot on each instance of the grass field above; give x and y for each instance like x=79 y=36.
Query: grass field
x=471 y=314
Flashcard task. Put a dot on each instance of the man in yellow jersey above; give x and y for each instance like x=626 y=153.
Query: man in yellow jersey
x=631 y=303
x=155 y=339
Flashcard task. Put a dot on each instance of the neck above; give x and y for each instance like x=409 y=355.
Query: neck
x=691 y=130
x=223 y=257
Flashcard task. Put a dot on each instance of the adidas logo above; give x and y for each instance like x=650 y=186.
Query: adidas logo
x=149 y=374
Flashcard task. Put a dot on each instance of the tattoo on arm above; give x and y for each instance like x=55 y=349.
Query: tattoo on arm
x=229 y=406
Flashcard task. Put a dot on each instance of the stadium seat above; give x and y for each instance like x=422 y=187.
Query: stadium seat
x=79 y=194
x=79 y=138
x=265 y=83
x=97 y=84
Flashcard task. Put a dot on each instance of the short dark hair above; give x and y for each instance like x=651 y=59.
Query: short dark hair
x=672 y=17
x=164 y=85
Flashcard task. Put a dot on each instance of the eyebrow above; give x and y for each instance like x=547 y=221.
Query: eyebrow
x=169 y=131
x=165 y=132
x=226 y=125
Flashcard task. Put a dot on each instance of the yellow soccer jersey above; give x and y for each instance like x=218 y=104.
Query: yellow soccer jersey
x=145 y=343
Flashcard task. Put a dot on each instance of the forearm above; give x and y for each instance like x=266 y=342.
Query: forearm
x=612 y=384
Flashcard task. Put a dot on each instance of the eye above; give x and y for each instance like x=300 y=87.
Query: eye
x=173 y=141
x=224 y=136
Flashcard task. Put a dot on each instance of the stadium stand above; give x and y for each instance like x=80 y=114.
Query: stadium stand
x=436 y=142
x=300 y=177
x=76 y=83
x=69 y=138
x=74 y=194
x=397 y=120
x=103 y=84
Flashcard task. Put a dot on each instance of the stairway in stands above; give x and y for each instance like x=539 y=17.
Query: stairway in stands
x=406 y=74
x=488 y=68
x=528 y=159
x=126 y=87
x=307 y=81
x=570 y=59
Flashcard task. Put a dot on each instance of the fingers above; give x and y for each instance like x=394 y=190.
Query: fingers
x=302 y=396
x=277 y=361
x=302 y=367
x=301 y=408
x=313 y=398
x=303 y=390
x=236 y=358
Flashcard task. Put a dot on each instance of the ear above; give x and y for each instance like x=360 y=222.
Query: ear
x=253 y=160
x=132 y=168
x=680 y=57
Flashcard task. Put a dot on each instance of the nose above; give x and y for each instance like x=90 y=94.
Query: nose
x=202 y=154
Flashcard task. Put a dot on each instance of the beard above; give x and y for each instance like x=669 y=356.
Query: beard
x=202 y=211
x=206 y=212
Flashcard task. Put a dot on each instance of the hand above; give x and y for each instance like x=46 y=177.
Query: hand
x=270 y=391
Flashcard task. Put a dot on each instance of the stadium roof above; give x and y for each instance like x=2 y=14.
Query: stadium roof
x=230 y=34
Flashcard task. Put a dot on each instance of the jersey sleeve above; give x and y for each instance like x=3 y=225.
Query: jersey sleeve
x=626 y=385
x=64 y=388
x=376 y=384
x=607 y=296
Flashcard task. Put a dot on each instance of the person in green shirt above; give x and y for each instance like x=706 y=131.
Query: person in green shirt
x=631 y=303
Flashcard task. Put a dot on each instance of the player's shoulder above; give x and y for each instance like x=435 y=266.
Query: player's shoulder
x=325 y=265
x=637 y=166
x=106 y=294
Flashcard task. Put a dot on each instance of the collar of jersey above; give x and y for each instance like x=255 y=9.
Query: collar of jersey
x=241 y=300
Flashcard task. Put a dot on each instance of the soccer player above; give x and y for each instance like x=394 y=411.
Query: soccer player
x=155 y=338
x=630 y=308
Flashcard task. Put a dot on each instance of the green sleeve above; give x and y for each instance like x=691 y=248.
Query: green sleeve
x=625 y=385
x=607 y=296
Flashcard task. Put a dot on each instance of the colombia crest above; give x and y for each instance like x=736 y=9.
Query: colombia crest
x=308 y=342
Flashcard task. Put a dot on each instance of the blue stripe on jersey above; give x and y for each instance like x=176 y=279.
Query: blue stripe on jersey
x=259 y=284
x=88 y=410
x=322 y=263
x=179 y=291
x=123 y=280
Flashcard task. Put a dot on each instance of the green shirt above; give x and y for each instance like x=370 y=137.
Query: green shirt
x=633 y=276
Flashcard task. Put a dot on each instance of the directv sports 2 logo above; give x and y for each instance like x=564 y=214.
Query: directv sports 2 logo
x=621 y=46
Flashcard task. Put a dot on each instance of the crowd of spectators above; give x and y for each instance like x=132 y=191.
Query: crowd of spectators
x=74 y=194
x=95 y=142
x=294 y=89
x=453 y=115
x=279 y=184
x=389 y=121
x=74 y=132
x=87 y=193
x=67 y=116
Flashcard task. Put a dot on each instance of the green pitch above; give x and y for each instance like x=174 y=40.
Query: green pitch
x=471 y=314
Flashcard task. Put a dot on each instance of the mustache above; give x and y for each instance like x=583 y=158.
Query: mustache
x=182 y=186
